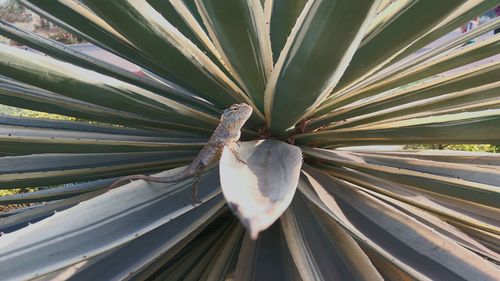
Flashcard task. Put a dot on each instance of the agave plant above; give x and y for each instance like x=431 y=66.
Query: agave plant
x=322 y=77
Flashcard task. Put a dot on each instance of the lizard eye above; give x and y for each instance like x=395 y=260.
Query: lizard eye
x=228 y=111
x=231 y=109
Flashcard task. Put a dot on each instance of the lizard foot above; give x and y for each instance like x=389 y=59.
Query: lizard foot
x=196 y=202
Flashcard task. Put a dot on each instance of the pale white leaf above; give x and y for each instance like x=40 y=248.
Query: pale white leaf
x=259 y=185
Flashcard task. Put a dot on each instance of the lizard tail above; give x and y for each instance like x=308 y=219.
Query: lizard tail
x=146 y=178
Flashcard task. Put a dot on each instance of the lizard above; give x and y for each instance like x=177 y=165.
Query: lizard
x=226 y=134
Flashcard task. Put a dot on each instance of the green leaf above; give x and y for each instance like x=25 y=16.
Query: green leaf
x=476 y=158
x=302 y=77
x=445 y=46
x=148 y=30
x=467 y=11
x=453 y=182
x=435 y=65
x=192 y=261
x=268 y=257
x=408 y=243
x=177 y=13
x=472 y=99
x=281 y=16
x=461 y=80
x=322 y=249
x=78 y=19
x=24 y=96
x=478 y=218
x=71 y=55
x=461 y=171
x=50 y=194
x=346 y=73
x=239 y=32
x=123 y=215
x=69 y=80
x=395 y=37
x=141 y=255
x=435 y=129
x=25 y=216
x=73 y=139
x=50 y=169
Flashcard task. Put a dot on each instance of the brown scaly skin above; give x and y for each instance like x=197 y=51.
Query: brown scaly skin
x=227 y=134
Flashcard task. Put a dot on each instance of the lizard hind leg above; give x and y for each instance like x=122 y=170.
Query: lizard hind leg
x=194 y=188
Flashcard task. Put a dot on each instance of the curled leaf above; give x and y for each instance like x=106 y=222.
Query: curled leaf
x=258 y=180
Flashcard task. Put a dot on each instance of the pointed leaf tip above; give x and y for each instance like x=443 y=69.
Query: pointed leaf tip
x=260 y=185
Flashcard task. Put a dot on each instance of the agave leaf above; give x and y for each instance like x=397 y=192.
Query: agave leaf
x=20 y=95
x=78 y=19
x=478 y=216
x=418 y=58
x=27 y=216
x=466 y=172
x=321 y=249
x=461 y=79
x=66 y=79
x=281 y=16
x=226 y=257
x=485 y=159
x=49 y=169
x=486 y=238
x=464 y=13
x=398 y=35
x=75 y=126
x=187 y=11
x=120 y=215
x=435 y=65
x=51 y=194
x=387 y=11
x=342 y=72
x=189 y=7
x=221 y=220
x=160 y=244
x=407 y=240
x=260 y=189
x=267 y=258
x=434 y=180
x=9 y=213
x=434 y=129
x=323 y=201
x=155 y=36
x=446 y=83
x=441 y=227
x=300 y=55
x=239 y=32
x=175 y=12
x=17 y=139
x=73 y=56
x=472 y=99
x=191 y=263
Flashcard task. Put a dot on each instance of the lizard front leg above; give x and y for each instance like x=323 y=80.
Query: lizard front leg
x=235 y=153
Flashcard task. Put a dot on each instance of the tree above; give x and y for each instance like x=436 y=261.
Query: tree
x=320 y=75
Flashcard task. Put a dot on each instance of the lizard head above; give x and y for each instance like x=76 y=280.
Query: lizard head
x=237 y=113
